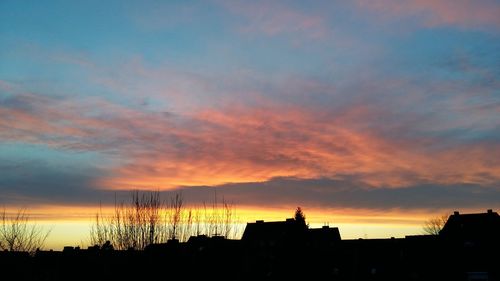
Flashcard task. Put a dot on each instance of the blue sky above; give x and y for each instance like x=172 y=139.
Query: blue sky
x=389 y=102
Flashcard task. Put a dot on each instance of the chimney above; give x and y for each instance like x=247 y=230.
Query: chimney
x=259 y=221
x=490 y=211
x=456 y=213
x=325 y=227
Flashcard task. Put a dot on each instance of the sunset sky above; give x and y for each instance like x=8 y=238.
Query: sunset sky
x=371 y=115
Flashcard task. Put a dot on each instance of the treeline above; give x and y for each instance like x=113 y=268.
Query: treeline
x=148 y=219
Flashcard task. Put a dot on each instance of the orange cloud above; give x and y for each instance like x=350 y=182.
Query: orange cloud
x=241 y=144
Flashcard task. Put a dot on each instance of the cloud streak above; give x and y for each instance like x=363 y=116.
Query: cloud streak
x=461 y=13
x=274 y=19
x=348 y=193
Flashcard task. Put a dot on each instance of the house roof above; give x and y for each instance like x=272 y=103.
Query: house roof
x=276 y=230
x=289 y=230
x=478 y=226
x=324 y=234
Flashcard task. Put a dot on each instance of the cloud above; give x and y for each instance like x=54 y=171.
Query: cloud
x=273 y=19
x=461 y=13
x=359 y=118
x=382 y=130
x=347 y=192
x=29 y=181
x=5 y=86
x=76 y=187
x=240 y=144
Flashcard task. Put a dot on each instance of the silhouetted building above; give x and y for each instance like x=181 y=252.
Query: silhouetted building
x=324 y=236
x=467 y=249
x=472 y=227
x=273 y=233
x=289 y=231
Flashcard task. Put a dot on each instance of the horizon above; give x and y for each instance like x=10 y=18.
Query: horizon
x=64 y=232
x=372 y=116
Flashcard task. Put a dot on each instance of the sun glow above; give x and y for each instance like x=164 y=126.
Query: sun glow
x=71 y=225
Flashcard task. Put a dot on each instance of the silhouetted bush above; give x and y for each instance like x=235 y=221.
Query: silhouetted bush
x=18 y=234
x=149 y=220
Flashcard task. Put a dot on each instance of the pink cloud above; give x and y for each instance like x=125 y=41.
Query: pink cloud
x=235 y=140
x=5 y=86
x=249 y=144
x=241 y=143
x=272 y=18
x=463 y=13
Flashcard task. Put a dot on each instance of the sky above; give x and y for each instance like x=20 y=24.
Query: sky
x=370 y=115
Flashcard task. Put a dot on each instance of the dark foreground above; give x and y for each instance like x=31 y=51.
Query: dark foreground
x=468 y=248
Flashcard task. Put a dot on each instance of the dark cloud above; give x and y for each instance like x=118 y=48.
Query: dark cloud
x=347 y=193
x=28 y=182
x=33 y=183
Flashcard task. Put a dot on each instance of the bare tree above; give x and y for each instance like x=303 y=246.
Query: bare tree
x=17 y=233
x=148 y=220
x=217 y=221
x=209 y=220
x=227 y=219
x=101 y=231
x=197 y=221
x=175 y=215
x=131 y=226
x=434 y=225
